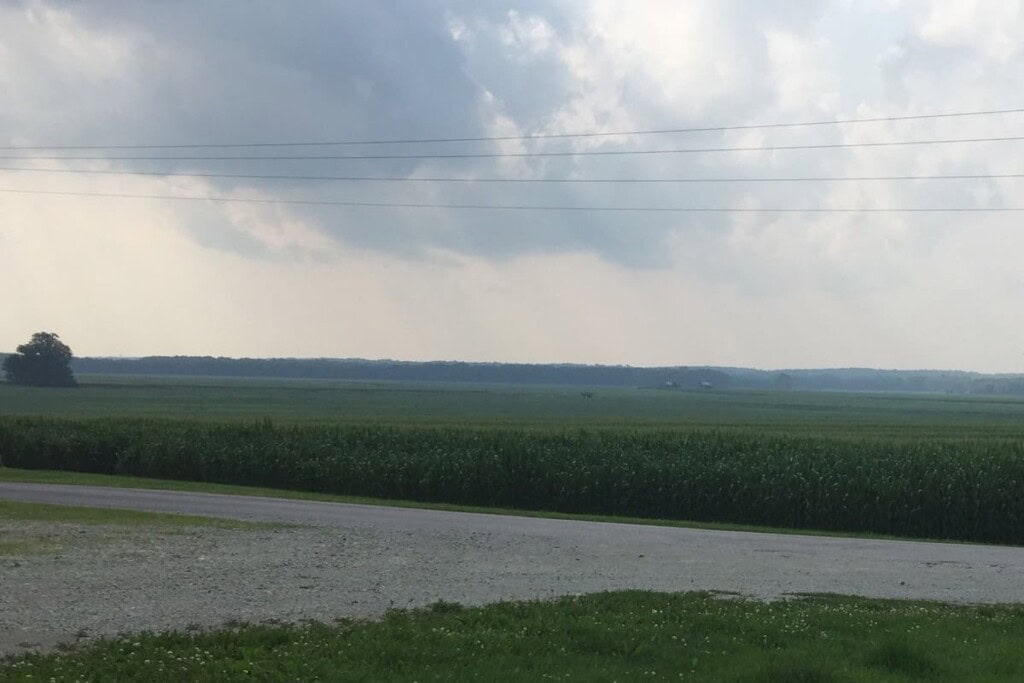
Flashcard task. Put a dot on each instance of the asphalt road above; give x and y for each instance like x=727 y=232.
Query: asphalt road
x=360 y=560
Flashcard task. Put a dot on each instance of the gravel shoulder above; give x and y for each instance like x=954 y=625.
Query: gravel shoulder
x=359 y=561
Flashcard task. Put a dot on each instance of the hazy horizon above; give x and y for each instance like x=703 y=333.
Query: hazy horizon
x=111 y=264
x=543 y=363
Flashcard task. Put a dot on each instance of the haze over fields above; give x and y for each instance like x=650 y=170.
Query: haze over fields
x=136 y=276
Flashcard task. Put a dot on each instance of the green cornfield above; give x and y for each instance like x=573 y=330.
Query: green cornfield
x=964 y=489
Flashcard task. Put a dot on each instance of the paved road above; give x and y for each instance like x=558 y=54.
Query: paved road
x=360 y=560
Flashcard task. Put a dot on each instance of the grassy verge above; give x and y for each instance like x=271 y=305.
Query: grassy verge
x=605 y=637
x=37 y=512
x=22 y=540
x=23 y=545
x=85 y=479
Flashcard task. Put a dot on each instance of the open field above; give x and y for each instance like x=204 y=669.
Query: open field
x=963 y=489
x=918 y=466
x=911 y=465
x=322 y=401
x=605 y=637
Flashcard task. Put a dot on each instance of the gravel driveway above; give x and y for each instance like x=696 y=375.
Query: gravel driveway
x=359 y=561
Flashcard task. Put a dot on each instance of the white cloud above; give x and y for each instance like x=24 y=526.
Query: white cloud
x=805 y=80
x=147 y=276
x=531 y=34
x=991 y=28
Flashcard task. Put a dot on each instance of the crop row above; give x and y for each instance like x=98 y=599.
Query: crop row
x=967 y=490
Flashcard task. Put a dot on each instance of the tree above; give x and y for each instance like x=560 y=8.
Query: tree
x=43 y=362
x=783 y=381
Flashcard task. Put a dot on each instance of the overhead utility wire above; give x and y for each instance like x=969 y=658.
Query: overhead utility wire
x=518 y=207
x=436 y=179
x=536 y=136
x=494 y=155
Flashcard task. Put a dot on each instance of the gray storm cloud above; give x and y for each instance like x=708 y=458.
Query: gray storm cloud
x=189 y=72
x=379 y=70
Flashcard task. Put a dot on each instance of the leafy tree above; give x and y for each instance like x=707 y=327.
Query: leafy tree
x=43 y=362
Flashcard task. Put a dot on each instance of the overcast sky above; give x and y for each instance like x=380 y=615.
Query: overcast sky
x=130 y=276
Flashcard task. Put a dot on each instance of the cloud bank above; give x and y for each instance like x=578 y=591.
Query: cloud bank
x=120 y=276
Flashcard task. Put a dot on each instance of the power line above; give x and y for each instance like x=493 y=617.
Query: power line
x=536 y=136
x=494 y=155
x=437 y=179
x=519 y=207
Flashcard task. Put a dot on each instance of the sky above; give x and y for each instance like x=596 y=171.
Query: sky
x=153 y=275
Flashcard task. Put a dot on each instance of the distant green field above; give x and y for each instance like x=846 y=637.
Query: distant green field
x=924 y=466
x=324 y=401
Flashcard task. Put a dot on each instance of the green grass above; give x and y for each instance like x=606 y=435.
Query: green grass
x=622 y=636
x=25 y=545
x=20 y=542
x=835 y=414
x=11 y=511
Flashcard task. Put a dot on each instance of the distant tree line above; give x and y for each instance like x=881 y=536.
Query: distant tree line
x=387 y=370
x=666 y=378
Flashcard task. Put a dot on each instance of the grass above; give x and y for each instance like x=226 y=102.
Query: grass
x=853 y=415
x=84 y=479
x=621 y=636
x=21 y=542
x=25 y=545
x=11 y=511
